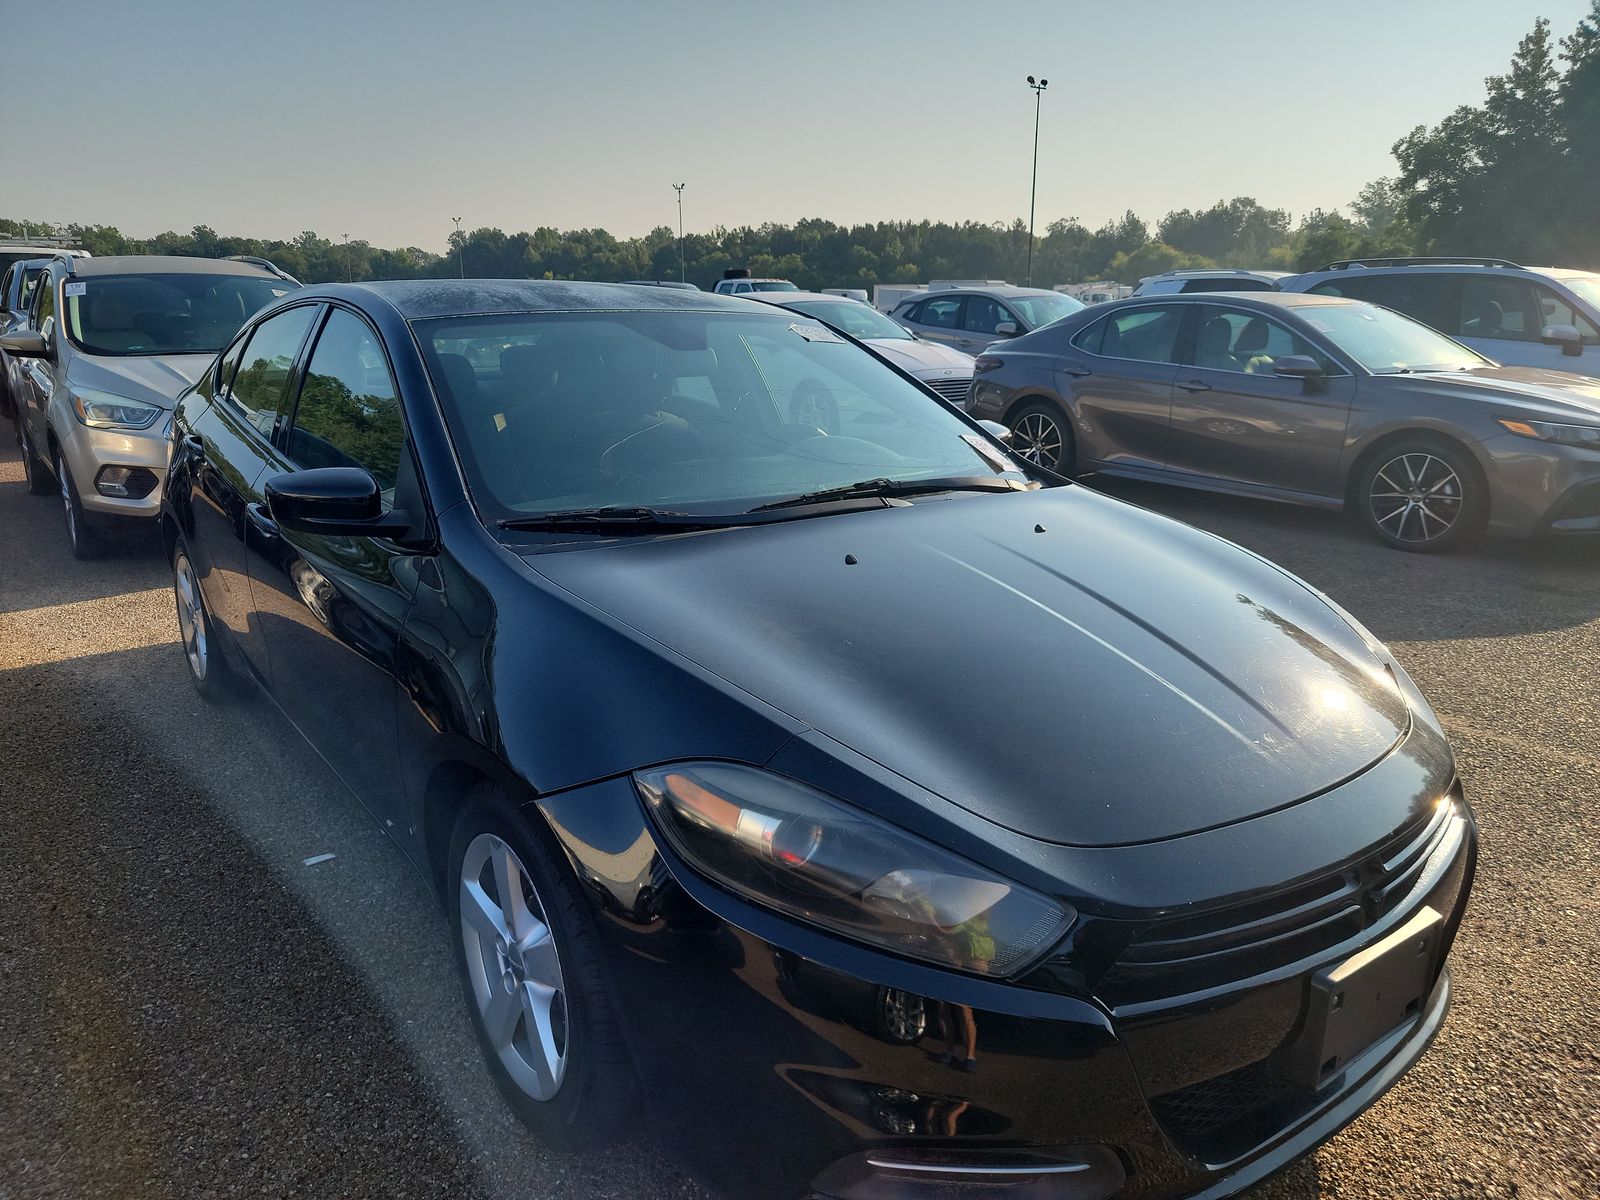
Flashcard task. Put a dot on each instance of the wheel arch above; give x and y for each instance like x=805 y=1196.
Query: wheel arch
x=1394 y=437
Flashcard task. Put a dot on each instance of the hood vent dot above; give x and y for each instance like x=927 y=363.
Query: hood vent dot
x=850 y=560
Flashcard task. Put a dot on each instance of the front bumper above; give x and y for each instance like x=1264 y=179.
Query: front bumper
x=770 y=1066
x=88 y=451
x=1540 y=487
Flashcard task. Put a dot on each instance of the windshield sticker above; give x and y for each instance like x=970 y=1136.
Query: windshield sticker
x=990 y=455
x=815 y=333
x=76 y=288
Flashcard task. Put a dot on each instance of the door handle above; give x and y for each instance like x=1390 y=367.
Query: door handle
x=261 y=520
x=1194 y=385
x=1076 y=370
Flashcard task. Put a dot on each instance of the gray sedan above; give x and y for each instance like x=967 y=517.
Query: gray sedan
x=972 y=318
x=1309 y=399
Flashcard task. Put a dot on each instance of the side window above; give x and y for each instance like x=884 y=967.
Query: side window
x=44 y=306
x=984 y=315
x=349 y=409
x=1556 y=310
x=1500 y=308
x=1089 y=339
x=1351 y=289
x=227 y=364
x=1232 y=339
x=1423 y=297
x=257 y=389
x=1143 y=334
x=941 y=314
x=5 y=285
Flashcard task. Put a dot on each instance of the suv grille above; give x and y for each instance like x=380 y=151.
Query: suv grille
x=1171 y=959
x=954 y=389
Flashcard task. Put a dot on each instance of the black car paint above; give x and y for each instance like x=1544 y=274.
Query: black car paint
x=420 y=667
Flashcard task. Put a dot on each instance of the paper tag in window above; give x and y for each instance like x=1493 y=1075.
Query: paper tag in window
x=815 y=333
x=990 y=455
x=75 y=288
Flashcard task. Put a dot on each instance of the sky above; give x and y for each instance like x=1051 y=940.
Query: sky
x=385 y=120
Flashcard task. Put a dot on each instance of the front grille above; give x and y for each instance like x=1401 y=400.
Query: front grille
x=1171 y=959
x=954 y=389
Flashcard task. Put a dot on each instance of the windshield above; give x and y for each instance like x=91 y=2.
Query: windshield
x=1387 y=343
x=858 y=320
x=701 y=412
x=1043 y=309
x=1585 y=287
x=772 y=285
x=172 y=313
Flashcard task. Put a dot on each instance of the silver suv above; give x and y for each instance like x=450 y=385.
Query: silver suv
x=1521 y=316
x=109 y=344
x=969 y=319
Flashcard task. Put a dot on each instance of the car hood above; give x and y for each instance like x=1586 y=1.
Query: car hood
x=922 y=358
x=1555 y=392
x=1070 y=667
x=154 y=378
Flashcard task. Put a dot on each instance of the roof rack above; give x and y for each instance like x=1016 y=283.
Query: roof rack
x=266 y=264
x=1446 y=261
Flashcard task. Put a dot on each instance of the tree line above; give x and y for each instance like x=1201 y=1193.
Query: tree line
x=1514 y=176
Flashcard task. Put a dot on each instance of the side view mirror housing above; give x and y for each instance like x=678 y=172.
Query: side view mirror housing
x=1568 y=337
x=29 y=343
x=1007 y=329
x=1297 y=366
x=999 y=432
x=333 y=502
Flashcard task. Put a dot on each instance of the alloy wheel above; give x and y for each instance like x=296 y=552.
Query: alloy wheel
x=905 y=1017
x=191 y=616
x=513 y=966
x=1416 y=497
x=1037 y=438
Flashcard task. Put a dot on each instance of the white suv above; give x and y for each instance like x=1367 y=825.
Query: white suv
x=1520 y=316
x=743 y=285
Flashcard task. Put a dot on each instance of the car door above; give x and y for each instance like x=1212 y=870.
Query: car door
x=1558 y=309
x=331 y=608
x=1118 y=374
x=1498 y=316
x=939 y=320
x=38 y=374
x=223 y=450
x=1233 y=419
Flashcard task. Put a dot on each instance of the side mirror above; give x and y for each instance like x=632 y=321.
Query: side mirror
x=1007 y=329
x=1297 y=366
x=1567 y=337
x=29 y=343
x=1001 y=433
x=334 y=502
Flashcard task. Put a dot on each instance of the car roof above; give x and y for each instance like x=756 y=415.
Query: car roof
x=166 y=264
x=791 y=297
x=415 y=299
x=1269 y=299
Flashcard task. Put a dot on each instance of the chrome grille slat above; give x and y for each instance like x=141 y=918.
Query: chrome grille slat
x=954 y=389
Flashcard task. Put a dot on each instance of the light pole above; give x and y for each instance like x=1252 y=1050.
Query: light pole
x=678 y=187
x=1033 y=189
x=461 y=247
x=349 y=271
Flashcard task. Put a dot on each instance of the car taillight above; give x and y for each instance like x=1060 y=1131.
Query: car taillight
x=986 y=362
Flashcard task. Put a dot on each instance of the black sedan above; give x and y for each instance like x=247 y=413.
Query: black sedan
x=644 y=622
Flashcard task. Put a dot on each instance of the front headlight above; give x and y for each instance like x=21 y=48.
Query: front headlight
x=791 y=848
x=1586 y=436
x=102 y=410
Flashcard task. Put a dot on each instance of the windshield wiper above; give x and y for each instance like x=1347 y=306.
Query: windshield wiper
x=616 y=518
x=868 y=489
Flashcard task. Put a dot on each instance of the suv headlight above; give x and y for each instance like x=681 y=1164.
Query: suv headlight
x=1586 y=436
x=788 y=847
x=102 y=410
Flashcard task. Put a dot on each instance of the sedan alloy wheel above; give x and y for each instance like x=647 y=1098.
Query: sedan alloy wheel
x=1039 y=435
x=1417 y=498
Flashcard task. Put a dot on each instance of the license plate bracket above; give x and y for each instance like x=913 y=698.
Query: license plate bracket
x=1354 y=1003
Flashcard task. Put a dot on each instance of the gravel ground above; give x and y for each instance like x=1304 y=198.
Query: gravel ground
x=186 y=1008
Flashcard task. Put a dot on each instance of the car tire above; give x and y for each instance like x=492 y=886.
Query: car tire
x=38 y=478
x=575 y=1088
x=1421 y=495
x=209 y=670
x=80 y=534
x=1041 y=434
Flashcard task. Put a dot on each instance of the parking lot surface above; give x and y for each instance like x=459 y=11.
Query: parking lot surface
x=189 y=1006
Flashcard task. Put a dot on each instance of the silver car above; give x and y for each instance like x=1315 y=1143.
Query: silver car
x=1310 y=399
x=109 y=345
x=970 y=319
x=1521 y=316
x=945 y=370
